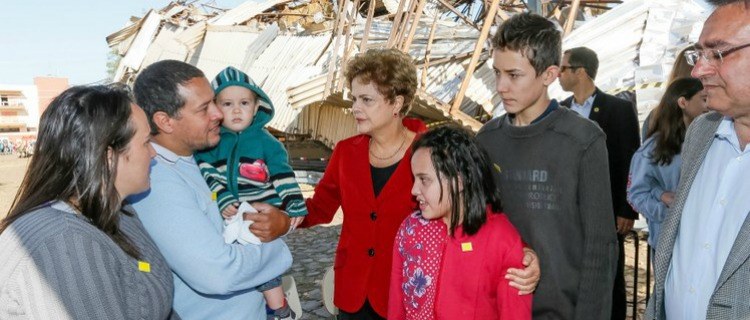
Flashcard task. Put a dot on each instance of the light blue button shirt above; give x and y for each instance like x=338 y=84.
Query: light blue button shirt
x=714 y=211
x=212 y=279
x=583 y=109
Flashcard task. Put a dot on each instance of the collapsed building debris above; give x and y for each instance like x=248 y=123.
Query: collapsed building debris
x=296 y=50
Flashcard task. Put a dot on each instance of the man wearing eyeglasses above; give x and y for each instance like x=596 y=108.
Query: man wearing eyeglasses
x=702 y=267
x=619 y=121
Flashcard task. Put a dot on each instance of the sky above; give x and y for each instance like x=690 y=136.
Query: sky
x=65 y=38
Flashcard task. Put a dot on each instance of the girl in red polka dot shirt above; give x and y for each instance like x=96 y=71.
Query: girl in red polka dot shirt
x=451 y=255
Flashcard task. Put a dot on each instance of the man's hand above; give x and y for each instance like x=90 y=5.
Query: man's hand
x=269 y=223
x=624 y=225
x=229 y=211
x=668 y=198
x=525 y=280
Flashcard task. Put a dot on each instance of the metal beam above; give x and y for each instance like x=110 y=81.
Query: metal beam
x=475 y=56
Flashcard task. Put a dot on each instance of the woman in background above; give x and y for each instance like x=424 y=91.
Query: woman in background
x=655 y=168
x=680 y=69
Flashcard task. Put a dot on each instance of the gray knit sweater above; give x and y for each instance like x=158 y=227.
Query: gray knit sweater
x=56 y=265
x=554 y=182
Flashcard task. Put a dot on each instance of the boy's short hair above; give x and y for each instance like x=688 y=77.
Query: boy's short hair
x=585 y=58
x=535 y=37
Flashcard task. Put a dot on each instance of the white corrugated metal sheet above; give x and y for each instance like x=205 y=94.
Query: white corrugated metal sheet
x=481 y=90
x=192 y=37
x=259 y=45
x=137 y=51
x=636 y=42
x=326 y=123
x=286 y=61
x=616 y=37
x=121 y=39
x=307 y=92
x=271 y=60
x=166 y=46
x=225 y=46
x=450 y=37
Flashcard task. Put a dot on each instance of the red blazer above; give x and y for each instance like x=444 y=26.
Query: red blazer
x=364 y=252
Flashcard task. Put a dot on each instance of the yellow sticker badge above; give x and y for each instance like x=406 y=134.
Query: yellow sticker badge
x=466 y=247
x=497 y=168
x=213 y=196
x=144 y=266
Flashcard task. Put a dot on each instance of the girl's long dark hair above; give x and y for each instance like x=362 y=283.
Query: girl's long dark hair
x=669 y=126
x=81 y=135
x=458 y=158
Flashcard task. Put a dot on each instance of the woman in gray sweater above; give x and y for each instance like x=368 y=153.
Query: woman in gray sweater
x=70 y=248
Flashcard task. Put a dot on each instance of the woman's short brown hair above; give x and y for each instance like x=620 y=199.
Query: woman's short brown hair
x=392 y=71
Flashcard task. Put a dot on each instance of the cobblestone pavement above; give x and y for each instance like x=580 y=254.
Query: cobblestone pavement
x=313 y=250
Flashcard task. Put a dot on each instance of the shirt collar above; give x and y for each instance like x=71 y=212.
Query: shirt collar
x=552 y=106
x=587 y=103
x=725 y=132
x=726 y=129
x=168 y=155
x=63 y=206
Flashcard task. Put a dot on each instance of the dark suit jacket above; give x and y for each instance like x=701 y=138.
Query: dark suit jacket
x=619 y=121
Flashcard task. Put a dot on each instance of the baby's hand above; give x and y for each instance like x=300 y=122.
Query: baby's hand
x=295 y=221
x=230 y=211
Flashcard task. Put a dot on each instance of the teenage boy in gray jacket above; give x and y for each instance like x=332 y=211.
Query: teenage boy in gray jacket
x=551 y=166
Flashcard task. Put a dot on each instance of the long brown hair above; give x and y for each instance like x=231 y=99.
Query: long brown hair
x=680 y=69
x=81 y=135
x=669 y=126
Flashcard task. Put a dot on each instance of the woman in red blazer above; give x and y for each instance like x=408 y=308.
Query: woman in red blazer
x=369 y=176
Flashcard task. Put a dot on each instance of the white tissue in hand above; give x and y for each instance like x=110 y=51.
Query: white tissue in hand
x=237 y=229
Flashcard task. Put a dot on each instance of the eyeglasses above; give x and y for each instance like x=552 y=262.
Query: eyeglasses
x=563 y=68
x=713 y=57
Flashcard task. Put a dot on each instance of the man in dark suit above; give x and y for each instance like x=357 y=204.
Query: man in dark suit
x=619 y=121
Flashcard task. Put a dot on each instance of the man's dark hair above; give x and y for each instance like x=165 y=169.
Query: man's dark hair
x=458 y=158
x=585 y=58
x=157 y=88
x=532 y=35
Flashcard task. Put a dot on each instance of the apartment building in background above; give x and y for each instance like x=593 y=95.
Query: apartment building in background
x=22 y=105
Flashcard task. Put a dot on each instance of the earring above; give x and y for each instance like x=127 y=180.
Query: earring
x=395 y=115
